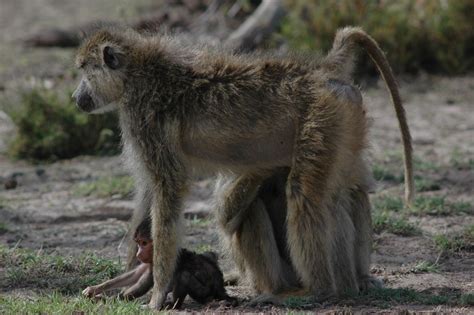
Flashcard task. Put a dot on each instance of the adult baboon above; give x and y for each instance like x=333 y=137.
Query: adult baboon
x=256 y=238
x=187 y=109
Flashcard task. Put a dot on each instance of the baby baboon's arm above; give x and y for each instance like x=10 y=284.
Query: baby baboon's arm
x=123 y=280
x=140 y=288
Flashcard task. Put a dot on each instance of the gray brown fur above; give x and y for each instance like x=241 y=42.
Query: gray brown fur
x=192 y=109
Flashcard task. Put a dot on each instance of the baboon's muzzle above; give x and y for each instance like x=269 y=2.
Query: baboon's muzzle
x=83 y=99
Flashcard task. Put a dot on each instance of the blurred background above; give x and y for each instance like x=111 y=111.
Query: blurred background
x=65 y=198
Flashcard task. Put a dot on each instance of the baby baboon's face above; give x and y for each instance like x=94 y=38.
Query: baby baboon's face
x=102 y=85
x=145 y=249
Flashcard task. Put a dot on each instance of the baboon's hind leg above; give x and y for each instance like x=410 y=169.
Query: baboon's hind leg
x=311 y=184
x=247 y=225
x=256 y=243
x=344 y=263
x=361 y=216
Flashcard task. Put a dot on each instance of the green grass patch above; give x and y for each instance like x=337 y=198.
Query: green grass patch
x=387 y=296
x=299 y=301
x=122 y=185
x=415 y=34
x=436 y=205
x=386 y=221
x=423 y=184
x=202 y=248
x=451 y=243
x=200 y=222
x=421 y=164
x=382 y=173
x=3 y=228
x=467 y=299
x=50 y=127
x=422 y=205
x=461 y=161
x=388 y=203
x=425 y=266
x=58 y=304
x=25 y=268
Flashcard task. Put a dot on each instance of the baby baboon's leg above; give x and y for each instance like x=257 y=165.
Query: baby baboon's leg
x=362 y=219
x=187 y=283
x=142 y=209
x=180 y=289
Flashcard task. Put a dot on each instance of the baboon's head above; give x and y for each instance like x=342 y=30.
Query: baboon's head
x=101 y=59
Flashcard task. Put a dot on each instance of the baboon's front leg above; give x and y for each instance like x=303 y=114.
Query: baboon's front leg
x=165 y=212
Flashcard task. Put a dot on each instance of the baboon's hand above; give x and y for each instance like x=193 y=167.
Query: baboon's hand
x=91 y=291
x=157 y=301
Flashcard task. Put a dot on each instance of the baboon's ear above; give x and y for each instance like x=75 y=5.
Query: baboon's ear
x=112 y=58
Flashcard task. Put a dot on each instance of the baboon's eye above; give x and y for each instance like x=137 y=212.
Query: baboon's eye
x=111 y=58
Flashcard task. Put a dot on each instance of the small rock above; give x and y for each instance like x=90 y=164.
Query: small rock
x=10 y=183
x=450 y=101
x=40 y=172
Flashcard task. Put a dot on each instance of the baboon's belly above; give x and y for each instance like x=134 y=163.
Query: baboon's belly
x=270 y=149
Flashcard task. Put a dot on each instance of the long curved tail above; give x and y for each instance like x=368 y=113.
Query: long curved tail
x=340 y=61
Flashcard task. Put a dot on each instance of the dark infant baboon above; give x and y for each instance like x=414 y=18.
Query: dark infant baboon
x=196 y=275
x=185 y=109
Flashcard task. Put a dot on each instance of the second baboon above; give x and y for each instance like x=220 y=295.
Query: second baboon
x=259 y=247
x=188 y=109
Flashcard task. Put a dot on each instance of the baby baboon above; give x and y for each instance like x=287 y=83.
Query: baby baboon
x=196 y=275
x=186 y=109
x=140 y=279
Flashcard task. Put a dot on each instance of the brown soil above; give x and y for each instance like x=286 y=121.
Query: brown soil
x=44 y=212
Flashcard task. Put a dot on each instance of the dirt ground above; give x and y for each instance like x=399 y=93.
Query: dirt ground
x=45 y=212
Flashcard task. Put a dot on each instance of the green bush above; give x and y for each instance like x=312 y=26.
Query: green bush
x=436 y=36
x=50 y=129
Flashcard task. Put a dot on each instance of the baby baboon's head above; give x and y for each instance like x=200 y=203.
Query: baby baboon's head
x=144 y=241
x=102 y=61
